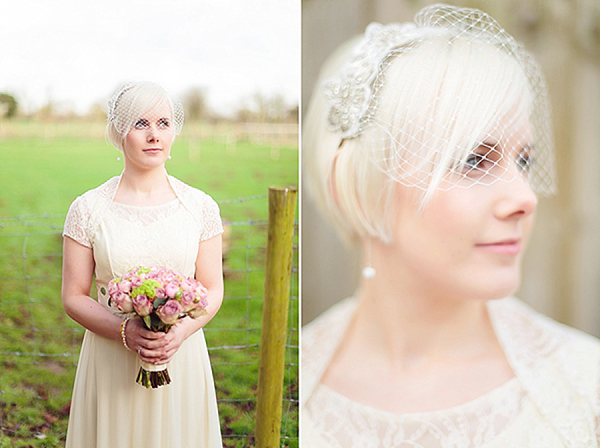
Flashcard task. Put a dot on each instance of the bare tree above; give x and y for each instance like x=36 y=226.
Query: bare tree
x=195 y=105
x=8 y=105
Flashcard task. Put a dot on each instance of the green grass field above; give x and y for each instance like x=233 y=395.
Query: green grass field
x=41 y=175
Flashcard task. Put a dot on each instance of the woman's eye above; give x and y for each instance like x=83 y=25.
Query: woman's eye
x=524 y=161
x=477 y=163
x=483 y=158
x=474 y=161
x=163 y=122
x=141 y=123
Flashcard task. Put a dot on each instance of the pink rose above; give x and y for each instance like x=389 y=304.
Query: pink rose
x=188 y=300
x=125 y=286
x=168 y=276
x=201 y=291
x=188 y=284
x=154 y=274
x=142 y=305
x=169 y=312
x=136 y=281
x=160 y=293
x=113 y=288
x=171 y=290
x=123 y=302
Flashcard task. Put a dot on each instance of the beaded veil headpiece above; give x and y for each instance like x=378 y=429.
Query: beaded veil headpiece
x=449 y=100
x=134 y=101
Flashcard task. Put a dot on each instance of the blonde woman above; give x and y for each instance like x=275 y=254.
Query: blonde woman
x=426 y=144
x=142 y=217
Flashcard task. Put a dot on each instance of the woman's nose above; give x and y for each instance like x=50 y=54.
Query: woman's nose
x=152 y=134
x=517 y=198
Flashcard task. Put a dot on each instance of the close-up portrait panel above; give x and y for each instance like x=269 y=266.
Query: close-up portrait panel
x=450 y=210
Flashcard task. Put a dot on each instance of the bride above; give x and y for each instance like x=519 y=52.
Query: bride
x=142 y=217
x=426 y=143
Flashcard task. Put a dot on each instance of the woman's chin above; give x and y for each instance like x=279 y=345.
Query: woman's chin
x=503 y=289
x=496 y=285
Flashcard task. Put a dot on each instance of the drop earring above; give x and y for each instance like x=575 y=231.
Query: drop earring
x=368 y=271
x=169 y=157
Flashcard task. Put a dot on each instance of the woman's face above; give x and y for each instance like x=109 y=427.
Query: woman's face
x=148 y=143
x=468 y=242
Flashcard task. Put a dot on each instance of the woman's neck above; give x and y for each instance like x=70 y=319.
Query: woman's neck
x=412 y=321
x=144 y=187
x=414 y=346
x=413 y=332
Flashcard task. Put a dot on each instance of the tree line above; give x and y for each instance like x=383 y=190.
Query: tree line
x=259 y=108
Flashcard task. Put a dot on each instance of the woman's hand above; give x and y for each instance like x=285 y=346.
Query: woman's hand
x=149 y=345
x=154 y=347
x=174 y=338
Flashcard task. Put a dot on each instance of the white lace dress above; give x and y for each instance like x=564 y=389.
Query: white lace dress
x=551 y=402
x=109 y=409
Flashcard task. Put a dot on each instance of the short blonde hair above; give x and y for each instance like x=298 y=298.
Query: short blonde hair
x=438 y=110
x=132 y=100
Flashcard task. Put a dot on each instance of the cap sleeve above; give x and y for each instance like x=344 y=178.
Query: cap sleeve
x=209 y=218
x=76 y=223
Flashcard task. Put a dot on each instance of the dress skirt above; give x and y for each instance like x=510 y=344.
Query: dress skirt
x=110 y=410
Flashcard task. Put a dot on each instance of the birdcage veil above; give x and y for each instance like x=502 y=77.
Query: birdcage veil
x=451 y=100
x=142 y=100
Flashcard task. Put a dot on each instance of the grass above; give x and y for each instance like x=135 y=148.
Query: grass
x=39 y=344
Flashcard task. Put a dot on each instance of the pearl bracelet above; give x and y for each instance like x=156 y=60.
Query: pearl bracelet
x=123 y=327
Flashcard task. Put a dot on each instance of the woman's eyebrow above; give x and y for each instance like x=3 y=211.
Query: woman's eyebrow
x=489 y=144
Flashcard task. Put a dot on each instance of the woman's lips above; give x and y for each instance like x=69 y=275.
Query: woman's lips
x=505 y=247
x=152 y=150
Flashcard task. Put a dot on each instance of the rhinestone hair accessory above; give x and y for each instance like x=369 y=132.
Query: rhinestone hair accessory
x=449 y=100
x=135 y=101
x=350 y=93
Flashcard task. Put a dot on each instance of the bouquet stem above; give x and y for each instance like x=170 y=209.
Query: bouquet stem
x=153 y=376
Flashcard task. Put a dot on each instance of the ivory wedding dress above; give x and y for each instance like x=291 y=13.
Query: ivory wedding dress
x=553 y=401
x=109 y=409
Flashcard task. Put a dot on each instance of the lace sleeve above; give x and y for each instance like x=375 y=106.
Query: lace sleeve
x=208 y=216
x=76 y=223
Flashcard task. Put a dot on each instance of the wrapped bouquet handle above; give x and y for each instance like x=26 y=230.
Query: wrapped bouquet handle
x=153 y=375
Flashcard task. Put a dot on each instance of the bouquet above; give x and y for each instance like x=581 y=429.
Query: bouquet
x=161 y=297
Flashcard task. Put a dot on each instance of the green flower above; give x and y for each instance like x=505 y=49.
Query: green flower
x=148 y=288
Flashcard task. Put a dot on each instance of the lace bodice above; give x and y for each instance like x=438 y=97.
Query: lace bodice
x=552 y=401
x=86 y=211
x=124 y=236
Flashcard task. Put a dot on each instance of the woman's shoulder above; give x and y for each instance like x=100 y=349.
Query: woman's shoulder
x=522 y=322
x=188 y=192
x=202 y=207
x=80 y=221
x=87 y=200
x=328 y=322
x=320 y=338
x=104 y=190
x=558 y=366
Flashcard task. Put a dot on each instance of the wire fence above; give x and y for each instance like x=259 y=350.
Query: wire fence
x=39 y=344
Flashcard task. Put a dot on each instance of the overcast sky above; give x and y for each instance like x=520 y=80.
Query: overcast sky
x=76 y=53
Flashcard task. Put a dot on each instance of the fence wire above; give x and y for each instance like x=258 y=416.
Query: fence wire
x=39 y=344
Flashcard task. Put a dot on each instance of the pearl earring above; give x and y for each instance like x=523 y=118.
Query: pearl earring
x=169 y=157
x=119 y=159
x=368 y=271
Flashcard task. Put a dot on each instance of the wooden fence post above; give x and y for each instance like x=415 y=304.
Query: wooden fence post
x=282 y=207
